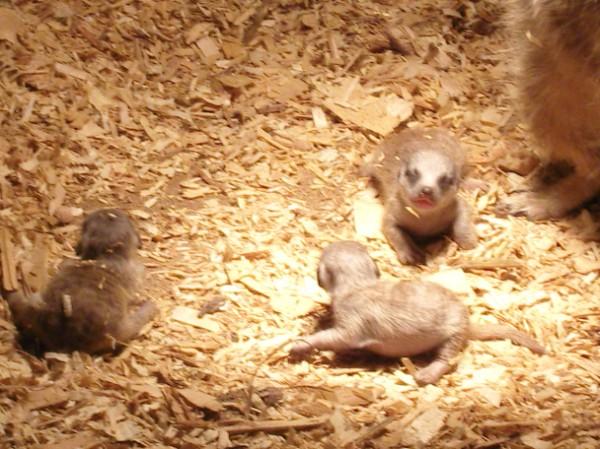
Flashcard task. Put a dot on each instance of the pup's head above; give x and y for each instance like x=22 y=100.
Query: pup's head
x=345 y=264
x=107 y=233
x=427 y=180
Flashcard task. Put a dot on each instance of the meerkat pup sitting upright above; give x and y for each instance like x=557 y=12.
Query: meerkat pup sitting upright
x=90 y=304
x=417 y=173
x=395 y=319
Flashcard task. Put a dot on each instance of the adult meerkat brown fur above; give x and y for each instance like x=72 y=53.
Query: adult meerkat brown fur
x=417 y=173
x=89 y=304
x=558 y=42
x=395 y=319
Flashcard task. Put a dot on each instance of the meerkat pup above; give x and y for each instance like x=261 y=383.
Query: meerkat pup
x=89 y=305
x=395 y=319
x=558 y=44
x=417 y=173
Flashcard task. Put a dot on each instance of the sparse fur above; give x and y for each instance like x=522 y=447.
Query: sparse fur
x=108 y=233
x=396 y=319
x=360 y=268
x=413 y=167
x=558 y=42
x=89 y=305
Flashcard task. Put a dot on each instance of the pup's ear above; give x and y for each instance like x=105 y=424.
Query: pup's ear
x=324 y=277
x=377 y=272
x=78 y=248
x=139 y=239
x=86 y=248
x=84 y=226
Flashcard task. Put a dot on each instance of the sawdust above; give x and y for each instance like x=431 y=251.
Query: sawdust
x=233 y=132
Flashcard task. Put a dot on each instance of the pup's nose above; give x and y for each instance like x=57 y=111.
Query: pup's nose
x=427 y=191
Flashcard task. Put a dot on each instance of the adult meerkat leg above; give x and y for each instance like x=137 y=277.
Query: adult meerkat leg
x=406 y=249
x=441 y=365
x=555 y=200
x=560 y=101
x=549 y=173
x=463 y=228
x=328 y=339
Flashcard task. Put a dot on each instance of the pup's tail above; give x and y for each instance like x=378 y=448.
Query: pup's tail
x=501 y=331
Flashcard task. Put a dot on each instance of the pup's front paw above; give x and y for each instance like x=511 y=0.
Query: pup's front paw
x=300 y=350
x=412 y=256
x=465 y=238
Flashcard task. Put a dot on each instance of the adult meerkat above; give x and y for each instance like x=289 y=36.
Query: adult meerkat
x=395 y=319
x=89 y=304
x=559 y=81
x=417 y=173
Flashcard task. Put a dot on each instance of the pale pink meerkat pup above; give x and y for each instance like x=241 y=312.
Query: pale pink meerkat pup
x=395 y=319
x=558 y=42
x=417 y=173
x=89 y=305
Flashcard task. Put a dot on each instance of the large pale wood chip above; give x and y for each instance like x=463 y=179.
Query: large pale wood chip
x=201 y=400
x=9 y=271
x=10 y=25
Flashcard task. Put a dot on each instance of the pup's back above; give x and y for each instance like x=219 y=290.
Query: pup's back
x=397 y=319
x=85 y=304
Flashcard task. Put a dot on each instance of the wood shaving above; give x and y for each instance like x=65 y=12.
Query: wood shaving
x=234 y=132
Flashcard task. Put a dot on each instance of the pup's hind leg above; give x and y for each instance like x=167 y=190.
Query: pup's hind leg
x=328 y=339
x=24 y=308
x=441 y=365
x=131 y=325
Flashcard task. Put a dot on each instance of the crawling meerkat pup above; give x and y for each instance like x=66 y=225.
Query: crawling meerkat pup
x=395 y=319
x=89 y=304
x=417 y=173
x=559 y=82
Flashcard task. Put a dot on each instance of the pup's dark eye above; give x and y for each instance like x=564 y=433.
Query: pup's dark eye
x=445 y=181
x=412 y=175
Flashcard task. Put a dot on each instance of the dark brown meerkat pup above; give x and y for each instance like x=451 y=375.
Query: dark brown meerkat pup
x=395 y=319
x=417 y=173
x=558 y=42
x=89 y=304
